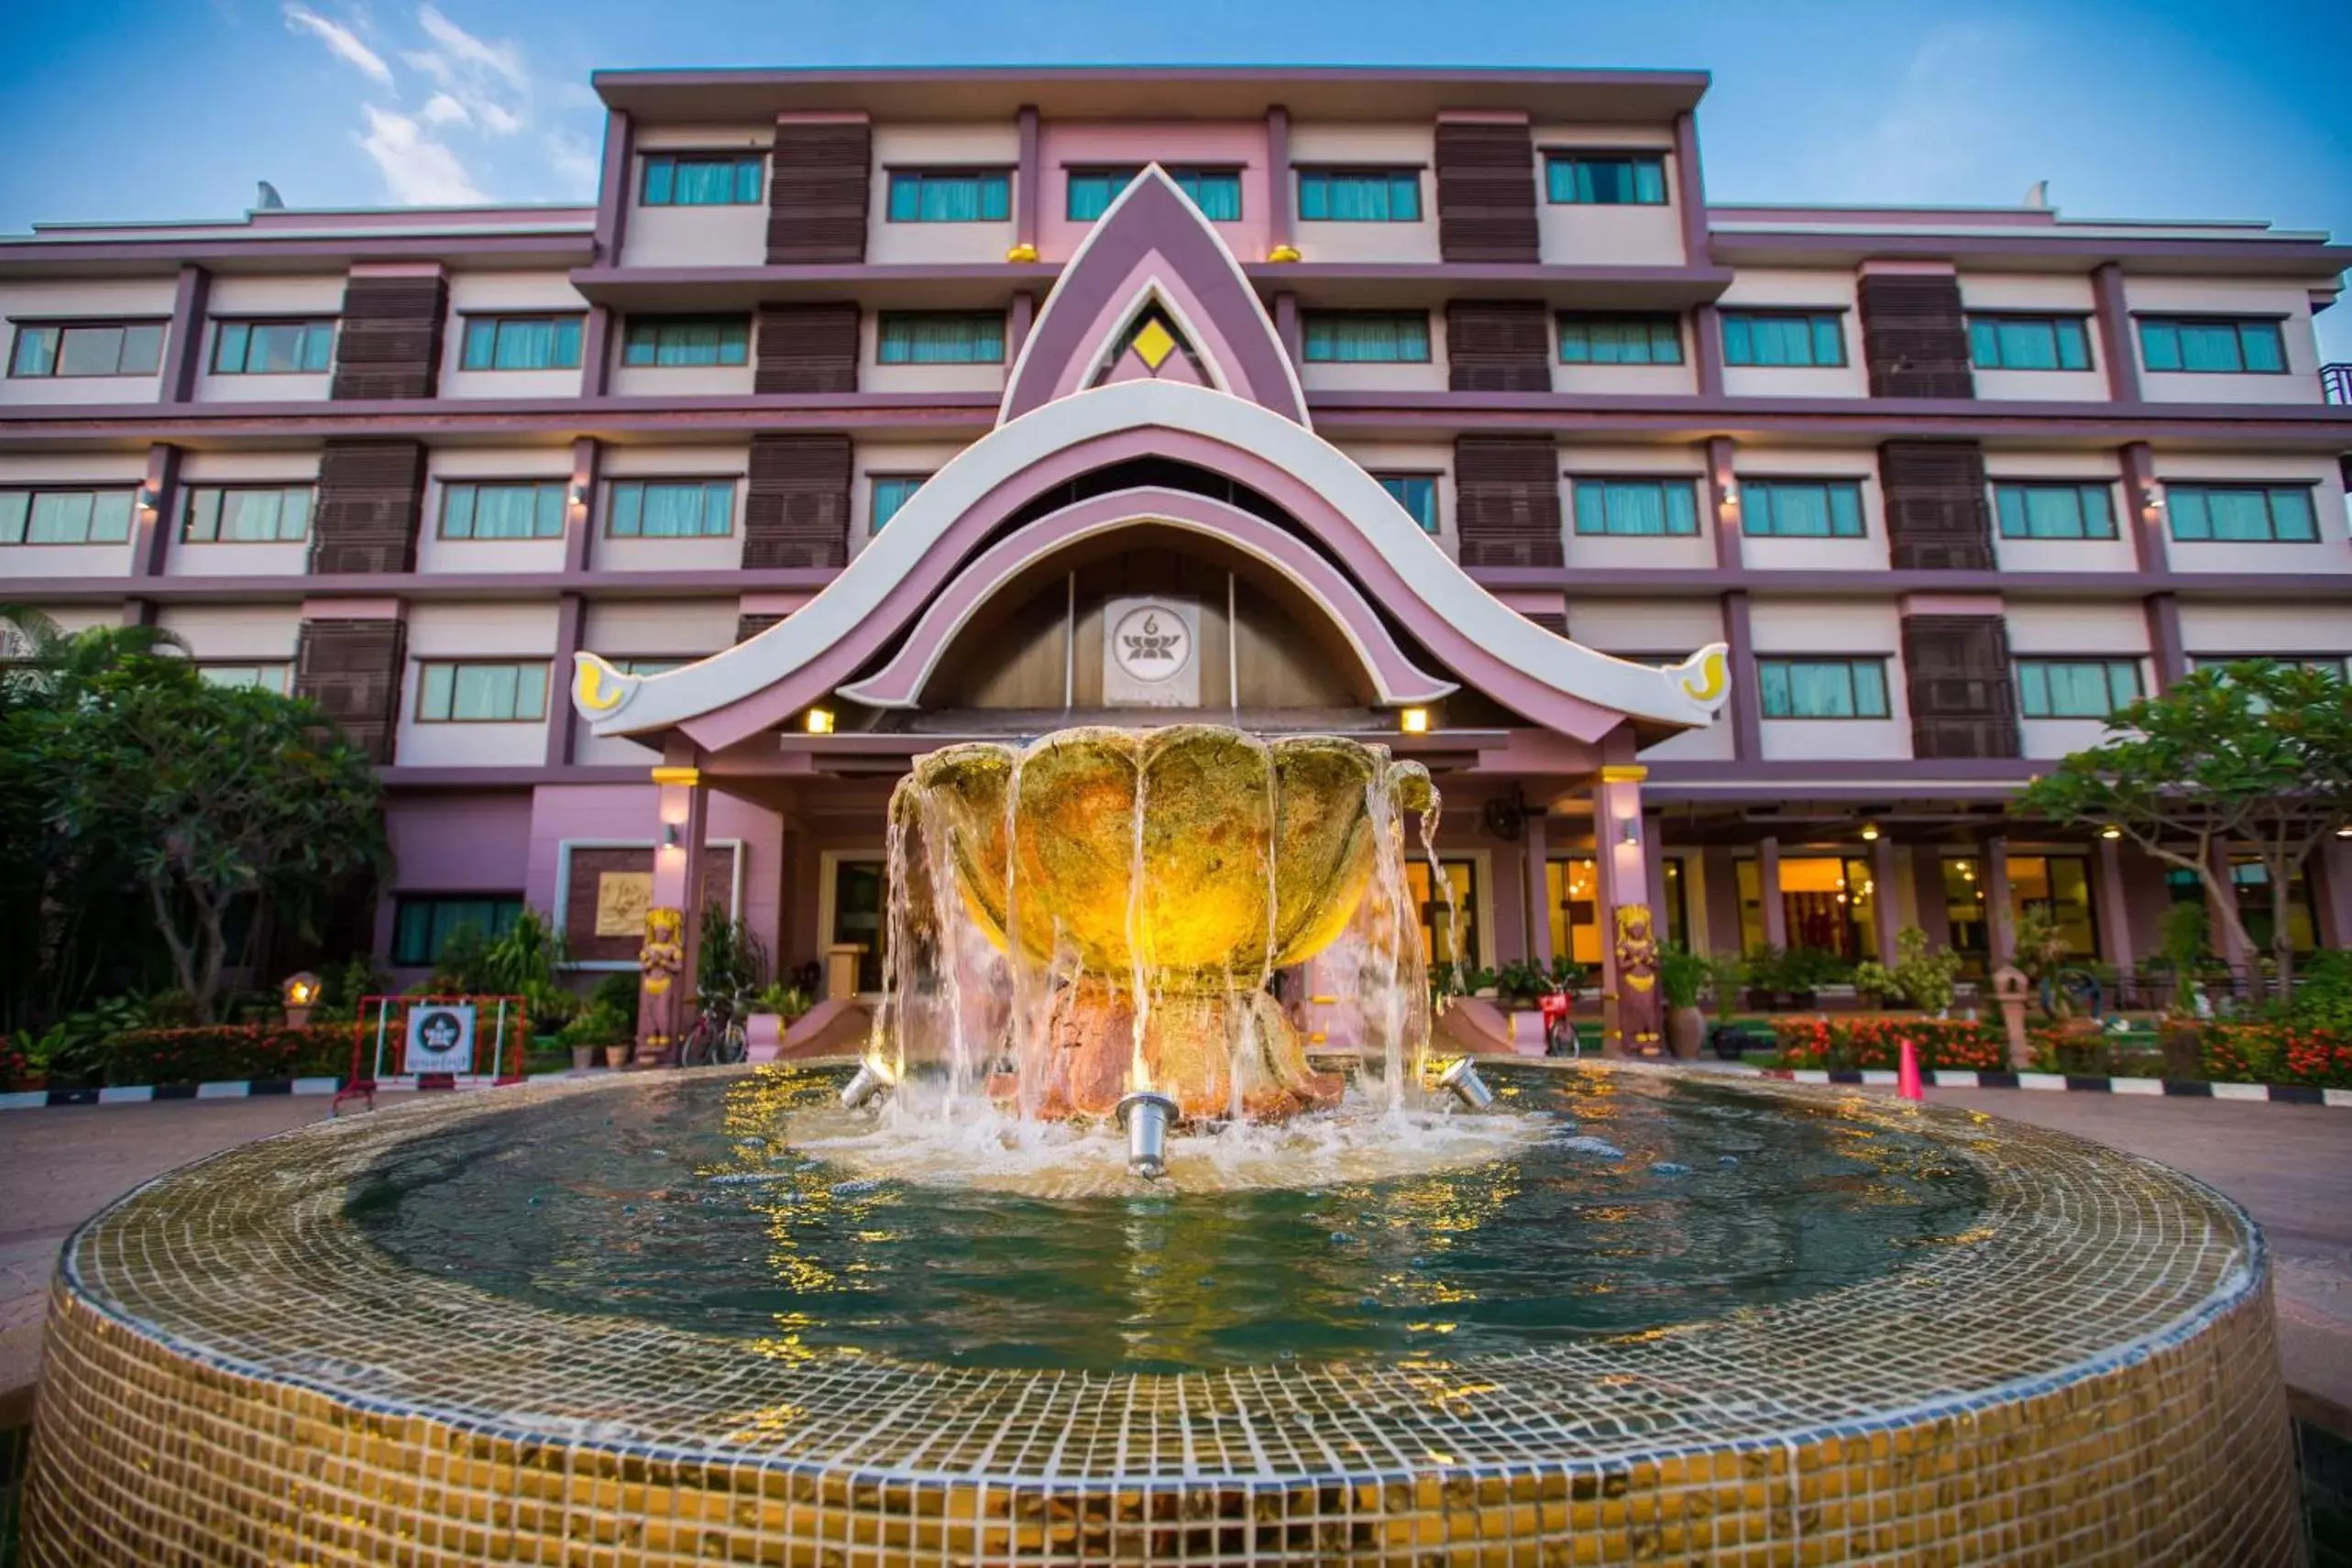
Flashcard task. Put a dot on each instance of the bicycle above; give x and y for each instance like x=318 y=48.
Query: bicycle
x=717 y=1037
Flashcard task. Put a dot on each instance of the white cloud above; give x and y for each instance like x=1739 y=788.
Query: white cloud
x=502 y=58
x=576 y=164
x=340 y=41
x=416 y=168
x=443 y=110
x=1941 y=132
x=496 y=119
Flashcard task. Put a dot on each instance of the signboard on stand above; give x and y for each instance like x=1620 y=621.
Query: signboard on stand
x=1151 y=652
x=441 y=1037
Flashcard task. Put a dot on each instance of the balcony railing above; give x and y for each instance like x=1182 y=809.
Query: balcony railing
x=2335 y=382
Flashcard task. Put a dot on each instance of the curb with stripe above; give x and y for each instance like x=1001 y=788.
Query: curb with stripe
x=1946 y=1078
x=227 y=1089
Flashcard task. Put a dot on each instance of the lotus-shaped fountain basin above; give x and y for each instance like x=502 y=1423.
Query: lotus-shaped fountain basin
x=1252 y=854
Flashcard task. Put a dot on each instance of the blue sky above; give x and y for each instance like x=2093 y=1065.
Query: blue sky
x=2195 y=108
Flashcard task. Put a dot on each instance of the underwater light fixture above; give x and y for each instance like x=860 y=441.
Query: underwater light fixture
x=1146 y=1115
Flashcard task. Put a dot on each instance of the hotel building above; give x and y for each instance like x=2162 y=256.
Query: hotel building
x=1741 y=560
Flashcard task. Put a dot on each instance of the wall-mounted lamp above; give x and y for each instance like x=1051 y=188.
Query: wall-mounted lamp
x=2111 y=831
x=1414 y=721
x=2344 y=832
x=1870 y=832
x=1631 y=832
x=578 y=494
x=150 y=499
x=669 y=835
x=1730 y=494
x=817 y=722
x=2151 y=496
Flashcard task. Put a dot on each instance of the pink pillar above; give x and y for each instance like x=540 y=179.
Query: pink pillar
x=1539 y=902
x=2332 y=893
x=1623 y=881
x=2114 y=908
x=1653 y=865
x=1887 y=915
x=1775 y=913
x=2000 y=926
x=674 y=922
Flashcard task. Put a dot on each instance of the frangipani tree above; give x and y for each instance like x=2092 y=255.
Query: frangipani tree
x=2253 y=757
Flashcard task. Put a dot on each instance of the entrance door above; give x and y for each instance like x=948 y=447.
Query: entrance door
x=857 y=916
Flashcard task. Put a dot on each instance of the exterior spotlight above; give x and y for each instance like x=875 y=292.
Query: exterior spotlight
x=669 y=835
x=150 y=499
x=2151 y=497
x=1146 y=1115
x=2111 y=831
x=1414 y=721
x=817 y=722
x=1023 y=251
x=2345 y=832
x=300 y=993
x=871 y=1081
x=1461 y=1079
x=1632 y=833
x=1870 y=832
x=579 y=495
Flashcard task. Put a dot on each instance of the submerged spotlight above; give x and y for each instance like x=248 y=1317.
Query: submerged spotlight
x=1461 y=1077
x=1146 y=1115
x=871 y=1081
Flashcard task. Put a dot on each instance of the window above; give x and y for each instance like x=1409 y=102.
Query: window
x=940 y=337
x=89 y=348
x=2029 y=343
x=241 y=514
x=2075 y=688
x=670 y=509
x=2326 y=663
x=521 y=509
x=521 y=342
x=65 y=517
x=649 y=667
x=892 y=492
x=1417 y=493
x=1443 y=917
x=2253 y=512
x=1784 y=337
x=669 y=341
x=1640 y=507
x=2061 y=884
x=1607 y=179
x=2213 y=344
x=1801 y=509
x=1366 y=337
x=1621 y=340
x=2036 y=510
x=703 y=180
x=268 y=677
x=422 y=926
x=1216 y=191
x=482 y=693
x=273 y=348
x=1823 y=689
x=951 y=196
x=1360 y=195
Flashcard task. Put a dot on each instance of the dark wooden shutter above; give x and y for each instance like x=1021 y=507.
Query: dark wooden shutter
x=1916 y=337
x=1507 y=500
x=390 y=343
x=817 y=193
x=1937 y=516
x=1555 y=621
x=750 y=625
x=807 y=348
x=1499 y=346
x=797 y=509
x=1486 y=194
x=352 y=670
x=1957 y=672
x=369 y=495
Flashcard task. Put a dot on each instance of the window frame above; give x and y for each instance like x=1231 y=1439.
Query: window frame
x=673 y=157
x=59 y=326
x=441 y=488
x=2341 y=663
x=2172 y=321
x=1557 y=158
x=2042 y=663
x=206 y=668
x=1815 y=317
x=920 y=174
x=1390 y=174
x=1669 y=485
x=1850 y=661
x=884 y=320
x=706 y=482
x=519 y=663
x=874 y=519
x=401 y=958
x=221 y=326
x=498 y=320
x=2269 y=493
x=2056 y=320
x=1434 y=524
x=2024 y=488
x=189 y=493
x=1306 y=341
x=1587 y=320
x=657 y=322
x=32 y=494
x=1769 y=482
x=1072 y=173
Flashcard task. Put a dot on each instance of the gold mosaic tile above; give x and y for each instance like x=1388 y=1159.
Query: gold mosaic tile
x=234 y=1375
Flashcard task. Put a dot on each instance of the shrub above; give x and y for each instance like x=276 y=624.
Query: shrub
x=1849 y=1043
x=214 y=1052
x=1682 y=975
x=1924 y=972
x=2269 y=1052
x=617 y=992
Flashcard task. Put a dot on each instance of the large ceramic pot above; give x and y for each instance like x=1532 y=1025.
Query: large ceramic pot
x=1686 y=1032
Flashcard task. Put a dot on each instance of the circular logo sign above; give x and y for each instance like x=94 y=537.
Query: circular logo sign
x=1151 y=642
x=440 y=1032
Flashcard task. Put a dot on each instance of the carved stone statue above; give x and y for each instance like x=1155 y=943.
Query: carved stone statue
x=1641 y=1010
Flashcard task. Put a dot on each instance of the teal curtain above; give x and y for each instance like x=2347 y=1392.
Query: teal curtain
x=2242 y=512
x=1822 y=688
x=1621 y=340
x=2075 y=688
x=1417 y=493
x=2029 y=343
x=942 y=338
x=1646 y=508
x=1751 y=338
x=423 y=927
x=947 y=197
x=1092 y=191
x=483 y=694
x=2212 y=345
x=2054 y=512
x=1801 y=509
x=892 y=492
x=259 y=516
x=1360 y=196
x=686 y=341
x=1600 y=180
x=501 y=512
x=676 y=508
x=36 y=352
x=720 y=181
x=1368 y=337
x=522 y=343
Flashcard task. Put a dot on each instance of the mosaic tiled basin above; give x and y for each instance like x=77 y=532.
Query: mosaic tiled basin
x=236 y=1374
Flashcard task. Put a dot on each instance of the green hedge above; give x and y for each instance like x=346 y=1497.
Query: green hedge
x=220 y=1052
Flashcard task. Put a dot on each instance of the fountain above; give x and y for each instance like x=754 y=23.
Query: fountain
x=1091 y=1258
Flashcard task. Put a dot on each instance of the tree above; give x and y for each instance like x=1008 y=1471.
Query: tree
x=2256 y=756
x=213 y=803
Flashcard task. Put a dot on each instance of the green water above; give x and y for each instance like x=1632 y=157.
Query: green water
x=1647 y=1204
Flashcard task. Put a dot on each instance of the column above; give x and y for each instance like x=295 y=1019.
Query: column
x=2144 y=507
x=1722 y=499
x=2115 y=332
x=1025 y=183
x=1927 y=876
x=1286 y=325
x=2171 y=659
x=1775 y=913
x=159 y=505
x=1653 y=861
x=1622 y=879
x=183 y=351
x=1690 y=196
x=2331 y=893
x=1886 y=918
x=1282 y=242
x=674 y=922
x=1747 y=701
x=2000 y=937
x=2114 y=908
x=1539 y=900
x=1025 y=315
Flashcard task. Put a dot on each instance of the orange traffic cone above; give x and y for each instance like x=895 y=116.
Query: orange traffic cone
x=1906 y=1075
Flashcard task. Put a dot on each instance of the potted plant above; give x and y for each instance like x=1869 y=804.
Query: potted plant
x=1761 y=969
x=2181 y=1035
x=1876 y=986
x=1802 y=972
x=1682 y=978
x=1519 y=985
x=1924 y=973
x=772 y=1012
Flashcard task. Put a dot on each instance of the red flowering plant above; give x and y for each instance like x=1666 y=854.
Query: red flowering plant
x=2272 y=1052
x=219 y=1052
x=1877 y=1043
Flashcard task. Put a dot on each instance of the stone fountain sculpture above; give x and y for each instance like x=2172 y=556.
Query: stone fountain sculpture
x=1137 y=891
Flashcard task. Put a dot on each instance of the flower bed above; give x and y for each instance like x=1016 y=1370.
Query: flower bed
x=1865 y=1041
x=215 y=1053
x=2278 y=1053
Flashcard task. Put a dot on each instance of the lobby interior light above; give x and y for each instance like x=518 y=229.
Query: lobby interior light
x=817 y=722
x=1414 y=721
